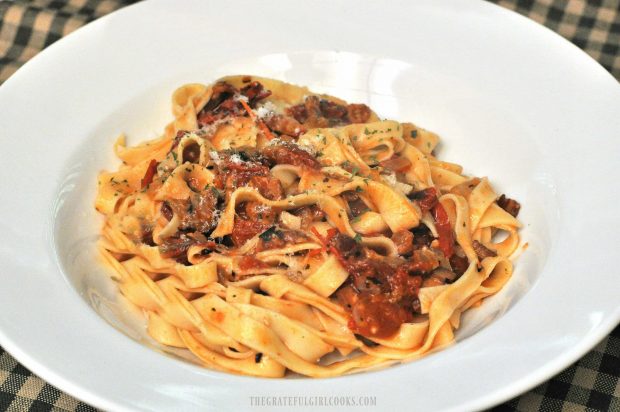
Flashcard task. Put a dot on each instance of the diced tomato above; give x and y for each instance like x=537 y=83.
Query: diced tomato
x=444 y=230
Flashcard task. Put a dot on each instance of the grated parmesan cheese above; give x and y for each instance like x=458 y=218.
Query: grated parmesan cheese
x=266 y=109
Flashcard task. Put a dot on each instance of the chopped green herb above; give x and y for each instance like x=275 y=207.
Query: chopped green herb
x=268 y=234
x=414 y=134
x=358 y=189
x=215 y=192
x=358 y=238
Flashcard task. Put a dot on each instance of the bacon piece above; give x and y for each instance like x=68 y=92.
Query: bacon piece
x=245 y=229
x=509 y=205
x=423 y=261
x=255 y=92
x=422 y=236
x=281 y=238
x=358 y=113
x=290 y=154
x=285 y=125
x=166 y=211
x=315 y=117
x=149 y=174
x=176 y=247
x=403 y=239
x=269 y=187
x=298 y=112
x=444 y=230
x=234 y=172
x=459 y=264
x=331 y=110
x=397 y=163
x=482 y=251
x=309 y=214
x=220 y=105
x=256 y=211
x=426 y=198
x=356 y=204
x=198 y=212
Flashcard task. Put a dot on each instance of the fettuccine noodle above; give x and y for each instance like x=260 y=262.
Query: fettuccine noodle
x=270 y=226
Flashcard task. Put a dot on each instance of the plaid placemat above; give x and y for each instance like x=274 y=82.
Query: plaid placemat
x=591 y=384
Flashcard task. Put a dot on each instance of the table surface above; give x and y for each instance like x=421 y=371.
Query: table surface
x=590 y=384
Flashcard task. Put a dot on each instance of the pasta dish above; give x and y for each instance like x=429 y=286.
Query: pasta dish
x=271 y=228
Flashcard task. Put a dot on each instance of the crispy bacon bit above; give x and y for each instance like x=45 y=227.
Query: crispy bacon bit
x=482 y=251
x=459 y=264
x=356 y=204
x=331 y=110
x=444 y=230
x=245 y=229
x=220 y=105
x=285 y=125
x=280 y=238
x=149 y=174
x=290 y=154
x=315 y=112
x=256 y=211
x=269 y=187
x=197 y=213
x=427 y=198
x=166 y=211
x=250 y=262
x=309 y=214
x=422 y=236
x=223 y=102
x=397 y=163
x=255 y=92
x=440 y=276
x=177 y=139
x=403 y=239
x=358 y=113
x=509 y=205
x=299 y=112
x=243 y=169
x=176 y=247
x=314 y=116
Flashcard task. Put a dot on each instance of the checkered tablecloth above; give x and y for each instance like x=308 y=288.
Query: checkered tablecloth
x=591 y=384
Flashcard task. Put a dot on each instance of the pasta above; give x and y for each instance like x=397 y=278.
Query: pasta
x=269 y=227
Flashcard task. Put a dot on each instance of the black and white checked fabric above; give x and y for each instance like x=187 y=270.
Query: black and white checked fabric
x=591 y=384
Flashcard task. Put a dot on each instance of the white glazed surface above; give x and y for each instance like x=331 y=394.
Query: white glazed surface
x=510 y=100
